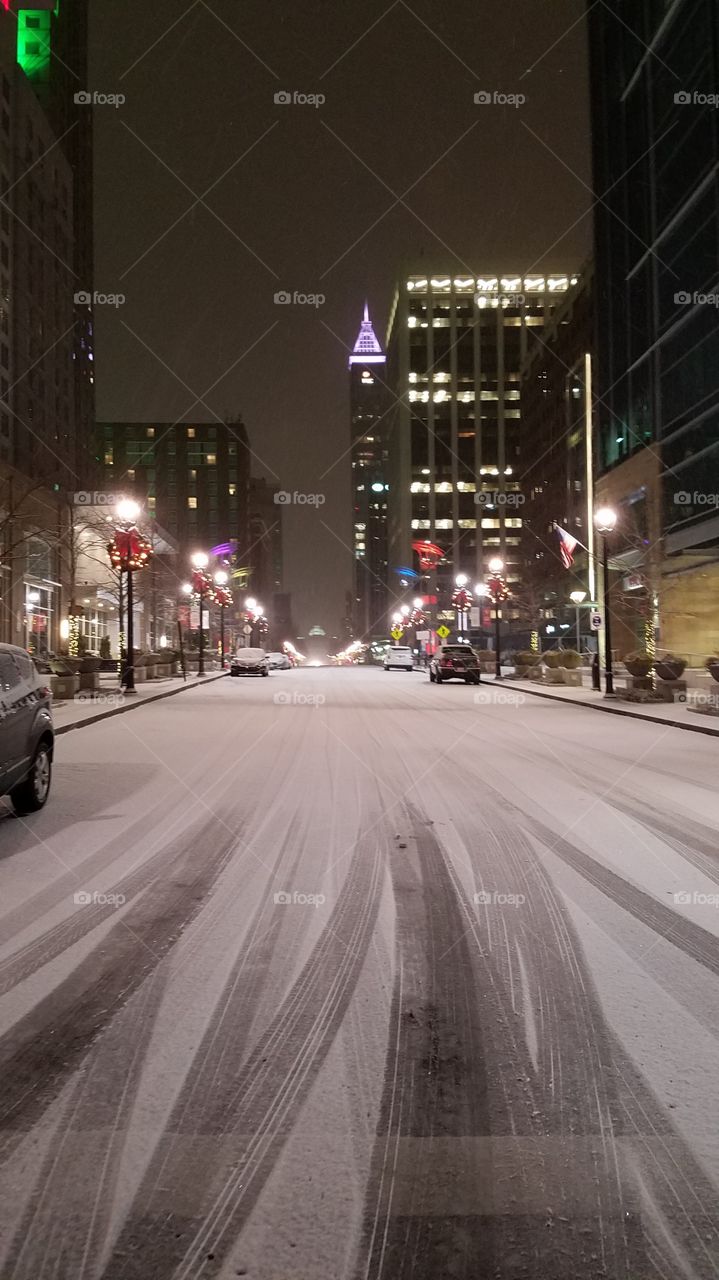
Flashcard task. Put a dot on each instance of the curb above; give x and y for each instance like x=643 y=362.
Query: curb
x=133 y=706
x=619 y=711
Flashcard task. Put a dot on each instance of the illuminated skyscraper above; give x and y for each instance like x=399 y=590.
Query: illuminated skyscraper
x=368 y=405
x=455 y=351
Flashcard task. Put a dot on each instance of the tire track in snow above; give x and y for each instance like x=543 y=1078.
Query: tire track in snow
x=40 y=1052
x=217 y=1153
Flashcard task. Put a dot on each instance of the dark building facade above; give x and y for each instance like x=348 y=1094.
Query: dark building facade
x=264 y=558
x=52 y=58
x=192 y=478
x=555 y=472
x=655 y=79
x=455 y=351
x=369 y=401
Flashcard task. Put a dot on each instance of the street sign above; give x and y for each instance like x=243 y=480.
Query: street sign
x=596 y=622
x=443 y=632
x=397 y=633
x=423 y=635
x=247 y=629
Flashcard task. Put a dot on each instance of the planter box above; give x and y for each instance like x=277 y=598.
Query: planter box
x=64 y=686
x=672 y=690
x=639 y=682
x=555 y=675
x=140 y=675
x=89 y=680
x=573 y=677
x=150 y=670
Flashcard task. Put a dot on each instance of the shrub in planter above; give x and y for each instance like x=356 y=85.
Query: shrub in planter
x=570 y=659
x=105 y=651
x=638 y=663
x=712 y=666
x=670 y=667
x=552 y=659
x=524 y=661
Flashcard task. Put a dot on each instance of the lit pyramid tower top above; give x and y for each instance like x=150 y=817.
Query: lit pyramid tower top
x=367 y=349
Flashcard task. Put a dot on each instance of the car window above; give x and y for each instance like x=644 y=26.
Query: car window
x=9 y=674
x=25 y=665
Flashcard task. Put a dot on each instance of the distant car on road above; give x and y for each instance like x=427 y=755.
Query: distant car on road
x=26 y=732
x=399 y=656
x=278 y=662
x=454 y=662
x=250 y=662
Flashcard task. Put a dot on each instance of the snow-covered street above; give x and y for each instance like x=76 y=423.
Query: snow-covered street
x=340 y=975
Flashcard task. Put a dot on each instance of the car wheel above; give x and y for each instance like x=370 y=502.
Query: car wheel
x=265 y=673
x=438 y=678
x=30 y=795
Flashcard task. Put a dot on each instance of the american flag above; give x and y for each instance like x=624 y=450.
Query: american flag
x=566 y=546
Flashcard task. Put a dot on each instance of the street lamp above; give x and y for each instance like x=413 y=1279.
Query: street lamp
x=199 y=561
x=498 y=590
x=578 y=598
x=605 y=519
x=128 y=551
x=224 y=598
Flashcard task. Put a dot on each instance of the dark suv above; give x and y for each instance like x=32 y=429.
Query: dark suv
x=455 y=662
x=26 y=732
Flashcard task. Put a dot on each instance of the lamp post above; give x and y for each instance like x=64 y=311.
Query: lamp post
x=128 y=551
x=223 y=598
x=605 y=520
x=498 y=591
x=199 y=562
x=578 y=598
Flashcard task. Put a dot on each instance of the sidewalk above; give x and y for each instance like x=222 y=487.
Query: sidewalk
x=676 y=715
x=109 y=700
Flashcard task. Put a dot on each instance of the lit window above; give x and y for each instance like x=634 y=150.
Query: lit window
x=232 y=490
x=108 y=458
x=190 y=433
x=192 y=504
x=150 y=433
x=211 y=459
x=192 y=473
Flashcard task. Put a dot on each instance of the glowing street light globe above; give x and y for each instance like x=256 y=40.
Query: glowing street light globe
x=577 y=597
x=461 y=580
x=200 y=559
x=186 y=588
x=221 y=578
x=127 y=510
x=418 y=602
x=605 y=519
x=496 y=564
x=250 y=603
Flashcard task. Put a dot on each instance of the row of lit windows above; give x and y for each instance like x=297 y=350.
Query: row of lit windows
x=492 y=284
x=511 y=523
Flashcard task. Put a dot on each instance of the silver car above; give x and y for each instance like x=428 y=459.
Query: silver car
x=26 y=732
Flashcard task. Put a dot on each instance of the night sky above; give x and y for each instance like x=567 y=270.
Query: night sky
x=304 y=200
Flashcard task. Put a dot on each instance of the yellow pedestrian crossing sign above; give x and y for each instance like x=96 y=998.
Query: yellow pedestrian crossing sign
x=397 y=633
x=443 y=632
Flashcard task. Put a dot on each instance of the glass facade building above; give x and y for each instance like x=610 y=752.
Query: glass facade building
x=655 y=88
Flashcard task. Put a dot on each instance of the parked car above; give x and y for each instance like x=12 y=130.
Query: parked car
x=278 y=662
x=26 y=732
x=454 y=662
x=250 y=662
x=399 y=656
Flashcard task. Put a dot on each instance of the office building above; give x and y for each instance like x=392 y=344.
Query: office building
x=455 y=351
x=655 y=72
x=369 y=401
